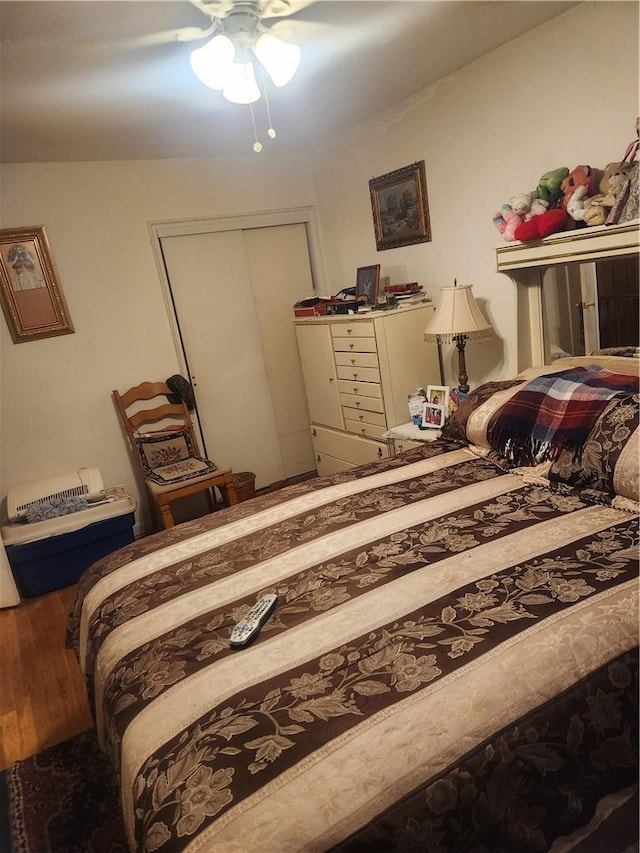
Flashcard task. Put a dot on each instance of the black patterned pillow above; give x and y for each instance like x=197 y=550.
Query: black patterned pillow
x=608 y=463
x=456 y=424
x=168 y=457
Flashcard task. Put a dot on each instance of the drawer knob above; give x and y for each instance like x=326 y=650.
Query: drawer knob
x=360 y=417
x=355 y=390
x=357 y=402
x=355 y=375
x=351 y=346
x=363 y=430
x=353 y=360
x=379 y=453
x=349 y=331
x=314 y=433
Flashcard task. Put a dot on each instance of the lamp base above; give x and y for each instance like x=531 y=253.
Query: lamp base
x=463 y=379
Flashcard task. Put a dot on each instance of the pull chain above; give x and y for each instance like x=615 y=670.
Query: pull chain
x=257 y=145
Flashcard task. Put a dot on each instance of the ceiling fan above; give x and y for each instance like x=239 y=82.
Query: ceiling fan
x=241 y=46
x=220 y=12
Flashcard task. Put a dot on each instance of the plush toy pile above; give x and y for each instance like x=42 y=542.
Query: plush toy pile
x=565 y=199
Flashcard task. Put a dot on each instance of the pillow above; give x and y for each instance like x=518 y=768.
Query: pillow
x=456 y=424
x=610 y=460
x=168 y=457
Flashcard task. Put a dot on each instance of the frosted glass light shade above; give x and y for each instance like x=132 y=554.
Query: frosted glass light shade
x=457 y=315
x=240 y=86
x=212 y=62
x=279 y=58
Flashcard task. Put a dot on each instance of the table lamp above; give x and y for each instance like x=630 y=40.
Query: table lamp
x=458 y=319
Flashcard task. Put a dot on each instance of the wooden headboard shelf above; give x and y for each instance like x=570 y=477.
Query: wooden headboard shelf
x=526 y=263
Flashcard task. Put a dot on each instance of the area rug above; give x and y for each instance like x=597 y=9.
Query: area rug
x=63 y=800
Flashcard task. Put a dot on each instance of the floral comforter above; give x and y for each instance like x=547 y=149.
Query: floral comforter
x=452 y=665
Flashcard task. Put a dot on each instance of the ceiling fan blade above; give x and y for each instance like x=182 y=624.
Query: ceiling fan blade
x=182 y=34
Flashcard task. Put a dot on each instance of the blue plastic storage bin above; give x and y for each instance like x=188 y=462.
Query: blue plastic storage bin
x=41 y=563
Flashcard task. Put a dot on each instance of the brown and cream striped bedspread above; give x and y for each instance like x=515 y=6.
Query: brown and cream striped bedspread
x=452 y=665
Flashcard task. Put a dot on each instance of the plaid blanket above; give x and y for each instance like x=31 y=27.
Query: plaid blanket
x=554 y=412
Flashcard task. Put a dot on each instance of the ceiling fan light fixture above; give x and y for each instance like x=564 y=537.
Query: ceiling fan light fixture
x=279 y=58
x=240 y=86
x=212 y=62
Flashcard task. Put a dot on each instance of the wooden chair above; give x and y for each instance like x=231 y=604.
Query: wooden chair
x=165 y=449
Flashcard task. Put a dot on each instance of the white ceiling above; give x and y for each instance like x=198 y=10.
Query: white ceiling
x=110 y=79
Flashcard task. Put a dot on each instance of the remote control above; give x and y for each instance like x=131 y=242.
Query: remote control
x=248 y=628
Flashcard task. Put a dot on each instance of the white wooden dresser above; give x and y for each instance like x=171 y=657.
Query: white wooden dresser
x=358 y=371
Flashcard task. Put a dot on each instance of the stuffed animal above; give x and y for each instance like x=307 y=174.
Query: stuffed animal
x=577 y=204
x=548 y=188
x=527 y=206
x=538 y=207
x=506 y=221
x=581 y=176
x=541 y=226
x=521 y=203
x=613 y=180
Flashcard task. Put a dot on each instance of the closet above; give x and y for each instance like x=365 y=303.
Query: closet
x=231 y=294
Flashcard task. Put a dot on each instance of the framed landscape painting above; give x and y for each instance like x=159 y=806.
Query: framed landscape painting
x=32 y=300
x=400 y=207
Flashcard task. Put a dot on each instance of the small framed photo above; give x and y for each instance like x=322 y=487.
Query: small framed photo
x=32 y=299
x=433 y=416
x=368 y=284
x=438 y=395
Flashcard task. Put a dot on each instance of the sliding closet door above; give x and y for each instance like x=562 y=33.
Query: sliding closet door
x=280 y=274
x=233 y=293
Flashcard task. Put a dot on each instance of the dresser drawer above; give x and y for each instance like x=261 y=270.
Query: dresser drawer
x=354 y=449
x=364 y=416
x=356 y=359
x=353 y=330
x=360 y=389
x=354 y=345
x=361 y=374
x=371 y=404
x=327 y=465
x=365 y=429
x=402 y=444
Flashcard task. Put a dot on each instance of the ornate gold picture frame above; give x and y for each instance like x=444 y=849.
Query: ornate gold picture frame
x=32 y=300
x=400 y=207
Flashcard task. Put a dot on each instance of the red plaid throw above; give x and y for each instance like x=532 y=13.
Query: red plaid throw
x=554 y=412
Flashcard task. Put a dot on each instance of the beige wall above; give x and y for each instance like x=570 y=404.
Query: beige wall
x=56 y=408
x=486 y=133
x=548 y=99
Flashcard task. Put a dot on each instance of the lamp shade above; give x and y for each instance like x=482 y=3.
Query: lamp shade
x=279 y=58
x=457 y=316
x=241 y=86
x=212 y=62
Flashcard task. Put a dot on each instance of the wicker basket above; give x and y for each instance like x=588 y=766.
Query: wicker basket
x=245 y=485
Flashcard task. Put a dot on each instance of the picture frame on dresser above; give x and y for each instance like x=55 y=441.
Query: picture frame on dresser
x=433 y=416
x=438 y=395
x=32 y=299
x=368 y=284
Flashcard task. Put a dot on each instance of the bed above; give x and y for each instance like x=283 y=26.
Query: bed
x=452 y=663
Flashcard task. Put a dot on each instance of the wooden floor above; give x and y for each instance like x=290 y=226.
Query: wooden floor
x=42 y=694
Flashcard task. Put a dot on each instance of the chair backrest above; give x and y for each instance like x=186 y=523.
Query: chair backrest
x=146 y=408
